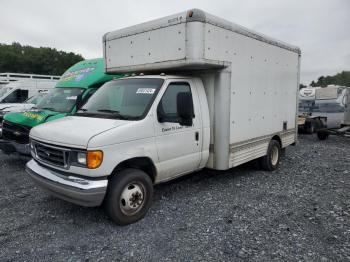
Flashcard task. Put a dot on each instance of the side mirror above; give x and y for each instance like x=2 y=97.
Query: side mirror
x=79 y=102
x=185 y=111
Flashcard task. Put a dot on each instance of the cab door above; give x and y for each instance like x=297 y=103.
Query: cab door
x=179 y=147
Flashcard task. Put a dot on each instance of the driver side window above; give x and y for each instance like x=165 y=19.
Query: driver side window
x=167 y=107
x=17 y=96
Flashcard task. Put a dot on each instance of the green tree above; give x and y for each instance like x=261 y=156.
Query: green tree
x=342 y=79
x=16 y=58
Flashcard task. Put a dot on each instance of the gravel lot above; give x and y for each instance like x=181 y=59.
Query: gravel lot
x=299 y=213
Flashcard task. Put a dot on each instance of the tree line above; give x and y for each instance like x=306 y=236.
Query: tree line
x=17 y=58
x=341 y=79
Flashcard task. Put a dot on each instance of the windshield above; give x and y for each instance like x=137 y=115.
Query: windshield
x=123 y=99
x=331 y=108
x=60 y=99
x=308 y=106
x=35 y=99
x=4 y=90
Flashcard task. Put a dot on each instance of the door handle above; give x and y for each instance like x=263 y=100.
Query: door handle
x=196 y=135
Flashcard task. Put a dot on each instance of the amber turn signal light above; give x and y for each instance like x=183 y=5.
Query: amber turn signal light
x=94 y=159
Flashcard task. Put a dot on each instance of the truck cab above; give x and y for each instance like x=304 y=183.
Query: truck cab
x=73 y=89
x=149 y=122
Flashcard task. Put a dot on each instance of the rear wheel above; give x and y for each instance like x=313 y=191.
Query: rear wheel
x=129 y=196
x=271 y=161
x=310 y=129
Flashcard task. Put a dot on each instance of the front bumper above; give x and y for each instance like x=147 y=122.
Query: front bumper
x=10 y=147
x=77 y=190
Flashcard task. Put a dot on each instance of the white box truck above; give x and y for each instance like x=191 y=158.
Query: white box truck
x=210 y=94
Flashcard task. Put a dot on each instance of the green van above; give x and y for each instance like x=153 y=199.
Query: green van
x=74 y=88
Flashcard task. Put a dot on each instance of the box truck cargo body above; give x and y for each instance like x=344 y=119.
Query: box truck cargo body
x=209 y=94
x=251 y=81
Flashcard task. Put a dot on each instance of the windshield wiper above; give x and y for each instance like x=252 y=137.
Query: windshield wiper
x=113 y=112
x=108 y=111
x=49 y=108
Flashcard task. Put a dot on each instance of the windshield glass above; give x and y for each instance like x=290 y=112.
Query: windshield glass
x=307 y=106
x=4 y=90
x=331 y=108
x=124 y=99
x=35 y=99
x=60 y=99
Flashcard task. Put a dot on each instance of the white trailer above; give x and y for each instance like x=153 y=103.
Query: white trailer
x=344 y=129
x=210 y=94
x=321 y=107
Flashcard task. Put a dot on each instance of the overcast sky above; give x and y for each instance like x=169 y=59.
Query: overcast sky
x=321 y=28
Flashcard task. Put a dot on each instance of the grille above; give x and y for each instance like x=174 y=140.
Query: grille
x=51 y=154
x=15 y=132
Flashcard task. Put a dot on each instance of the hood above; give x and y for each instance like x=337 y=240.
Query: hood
x=73 y=130
x=32 y=118
x=9 y=105
x=15 y=107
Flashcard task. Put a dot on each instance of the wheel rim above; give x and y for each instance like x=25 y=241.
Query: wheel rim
x=274 y=155
x=132 y=198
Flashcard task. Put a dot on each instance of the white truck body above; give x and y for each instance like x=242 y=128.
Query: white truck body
x=243 y=87
x=18 y=91
x=251 y=81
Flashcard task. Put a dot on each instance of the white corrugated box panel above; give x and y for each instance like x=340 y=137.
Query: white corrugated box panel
x=177 y=41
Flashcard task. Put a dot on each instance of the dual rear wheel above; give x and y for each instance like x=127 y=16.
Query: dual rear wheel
x=271 y=161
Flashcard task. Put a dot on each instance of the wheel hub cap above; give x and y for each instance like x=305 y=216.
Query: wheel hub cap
x=132 y=198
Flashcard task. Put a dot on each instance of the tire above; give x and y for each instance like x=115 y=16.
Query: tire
x=310 y=129
x=322 y=135
x=271 y=161
x=129 y=196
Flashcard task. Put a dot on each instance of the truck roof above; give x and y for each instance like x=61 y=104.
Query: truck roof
x=85 y=74
x=196 y=15
x=161 y=76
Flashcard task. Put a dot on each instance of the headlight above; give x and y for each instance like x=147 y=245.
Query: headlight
x=81 y=158
x=94 y=159
x=89 y=159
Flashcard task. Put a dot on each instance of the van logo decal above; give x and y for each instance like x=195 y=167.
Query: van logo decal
x=77 y=75
x=33 y=116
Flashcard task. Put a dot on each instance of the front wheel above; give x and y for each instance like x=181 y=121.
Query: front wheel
x=129 y=196
x=271 y=161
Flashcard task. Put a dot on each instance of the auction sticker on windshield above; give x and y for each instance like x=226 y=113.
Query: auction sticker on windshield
x=149 y=91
